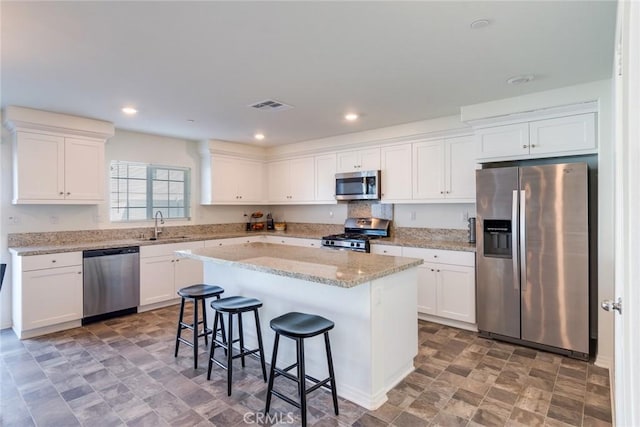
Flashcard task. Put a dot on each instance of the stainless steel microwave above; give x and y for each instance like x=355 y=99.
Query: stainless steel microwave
x=363 y=185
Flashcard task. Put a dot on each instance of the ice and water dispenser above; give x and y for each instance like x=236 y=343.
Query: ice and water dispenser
x=497 y=238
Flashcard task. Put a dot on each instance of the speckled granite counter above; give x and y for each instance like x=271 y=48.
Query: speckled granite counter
x=338 y=268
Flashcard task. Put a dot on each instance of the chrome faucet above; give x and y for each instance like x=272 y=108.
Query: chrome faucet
x=155 y=227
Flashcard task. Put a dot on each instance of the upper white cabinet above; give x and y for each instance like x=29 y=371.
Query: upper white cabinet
x=325 y=178
x=57 y=159
x=232 y=180
x=291 y=180
x=358 y=160
x=396 y=172
x=444 y=170
x=560 y=136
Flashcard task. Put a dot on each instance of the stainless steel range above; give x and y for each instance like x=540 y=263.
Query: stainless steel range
x=357 y=233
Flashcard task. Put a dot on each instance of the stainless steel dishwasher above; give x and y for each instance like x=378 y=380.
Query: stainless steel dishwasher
x=111 y=283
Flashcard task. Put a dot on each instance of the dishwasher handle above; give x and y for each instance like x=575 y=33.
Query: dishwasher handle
x=111 y=251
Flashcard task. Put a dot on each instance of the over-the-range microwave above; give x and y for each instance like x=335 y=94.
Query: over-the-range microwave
x=363 y=185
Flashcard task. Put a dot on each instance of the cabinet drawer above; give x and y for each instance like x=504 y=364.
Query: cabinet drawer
x=386 y=250
x=168 y=249
x=39 y=262
x=441 y=256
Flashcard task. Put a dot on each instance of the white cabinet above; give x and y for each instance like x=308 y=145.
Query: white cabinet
x=444 y=170
x=446 y=284
x=291 y=180
x=358 y=160
x=47 y=291
x=396 y=172
x=162 y=272
x=560 y=136
x=325 y=181
x=231 y=241
x=293 y=241
x=55 y=169
x=232 y=180
x=386 y=250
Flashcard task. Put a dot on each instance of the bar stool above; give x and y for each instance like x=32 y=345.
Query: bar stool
x=196 y=293
x=299 y=326
x=235 y=305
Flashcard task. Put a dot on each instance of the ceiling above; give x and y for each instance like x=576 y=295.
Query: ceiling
x=392 y=62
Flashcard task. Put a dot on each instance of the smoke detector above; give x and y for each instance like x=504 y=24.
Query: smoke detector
x=271 y=105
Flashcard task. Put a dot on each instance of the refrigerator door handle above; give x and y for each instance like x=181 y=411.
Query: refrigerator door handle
x=514 y=240
x=523 y=241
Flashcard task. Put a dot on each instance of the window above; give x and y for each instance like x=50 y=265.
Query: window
x=138 y=190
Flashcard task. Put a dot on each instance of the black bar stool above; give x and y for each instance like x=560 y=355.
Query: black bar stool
x=299 y=326
x=196 y=293
x=235 y=305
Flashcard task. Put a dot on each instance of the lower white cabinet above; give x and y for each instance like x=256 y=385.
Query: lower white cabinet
x=446 y=283
x=293 y=241
x=47 y=291
x=163 y=273
x=386 y=250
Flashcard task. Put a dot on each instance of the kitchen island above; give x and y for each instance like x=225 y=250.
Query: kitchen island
x=371 y=299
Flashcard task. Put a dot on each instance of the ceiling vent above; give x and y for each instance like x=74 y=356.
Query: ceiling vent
x=271 y=105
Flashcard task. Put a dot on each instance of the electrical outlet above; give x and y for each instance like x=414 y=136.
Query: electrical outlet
x=14 y=219
x=53 y=219
x=330 y=214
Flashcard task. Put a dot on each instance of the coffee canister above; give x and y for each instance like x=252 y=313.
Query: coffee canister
x=472 y=230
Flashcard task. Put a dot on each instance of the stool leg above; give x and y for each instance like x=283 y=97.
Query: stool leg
x=230 y=355
x=213 y=344
x=334 y=393
x=204 y=323
x=272 y=371
x=259 y=332
x=302 y=384
x=179 y=326
x=241 y=337
x=195 y=334
x=222 y=332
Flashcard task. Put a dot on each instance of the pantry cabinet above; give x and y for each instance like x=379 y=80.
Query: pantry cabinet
x=358 y=160
x=232 y=180
x=446 y=285
x=292 y=180
x=55 y=169
x=444 y=170
x=396 y=172
x=47 y=292
x=559 y=136
x=163 y=273
x=325 y=181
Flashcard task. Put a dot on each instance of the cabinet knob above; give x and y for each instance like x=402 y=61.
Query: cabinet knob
x=177 y=260
x=533 y=145
x=525 y=146
x=432 y=269
x=53 y=260
x=438 y=271
x=448 y=192
x=435 y=256
x=173 y=260
x=79 y=272
x=240 y=197
x=62 y=193
x=68 y=193
x=442 y=192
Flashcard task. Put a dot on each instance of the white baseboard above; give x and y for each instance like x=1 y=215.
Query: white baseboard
x=449 y=322
x=6 y=325
x=604 y=362
x=149 y=307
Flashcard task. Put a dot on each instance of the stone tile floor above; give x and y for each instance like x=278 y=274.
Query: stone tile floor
x=122 y=372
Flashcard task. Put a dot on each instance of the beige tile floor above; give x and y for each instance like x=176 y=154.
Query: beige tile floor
x=122 y=372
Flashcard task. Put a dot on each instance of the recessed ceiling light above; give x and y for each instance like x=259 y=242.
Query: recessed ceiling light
x=259 y=136
x=520 y=80
x=480 y=23
x=129 y=110
x=351 y=117
x=190 y=120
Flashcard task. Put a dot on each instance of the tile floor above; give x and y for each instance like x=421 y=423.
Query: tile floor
x=122 y=372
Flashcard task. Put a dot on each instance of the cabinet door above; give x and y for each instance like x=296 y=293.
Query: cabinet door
x=563 y=135
x=84 y=175
x=369 y=159
x=187 y=272
x=301 y=179
x=278 y=178
x=509 y=141
x=460 y=169
x=51 y=296
x=326 y=178
x=157 y=279
x=428 y=173
x=396 y=172
x=38 y=167
x=348 y=161
x=224 y=185
x=251 y=177
x=427 y=288
x=386 y=250
x=456 y=292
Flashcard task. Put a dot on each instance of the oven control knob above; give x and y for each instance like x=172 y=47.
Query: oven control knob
x=352 y=244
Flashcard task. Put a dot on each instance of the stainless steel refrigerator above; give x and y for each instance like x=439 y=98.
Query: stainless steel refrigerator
x=533 y=256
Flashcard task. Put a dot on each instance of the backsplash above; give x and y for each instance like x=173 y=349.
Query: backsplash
x=366 y=209
x=444 y=234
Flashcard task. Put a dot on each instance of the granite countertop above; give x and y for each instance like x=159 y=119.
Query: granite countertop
x=338 y=268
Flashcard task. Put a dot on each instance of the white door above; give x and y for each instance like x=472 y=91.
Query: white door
x=326 y=177
x=370 y=159
x=509 y=141
x=187 y=272
x=39 y=167
x=156 y=279
x=348 y=161
x=428 y=174
x=627 y=205
x=460 y=168
x=396 y=172
x=224 y=184
x=251 y=181
x=456 y=292
x=84 y=169
x=427 y=288
x=279 y=183
x=301 y=179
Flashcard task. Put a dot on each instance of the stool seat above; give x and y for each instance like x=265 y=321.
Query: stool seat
x=200 y=291
x=235 y=304
x=300 y=325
